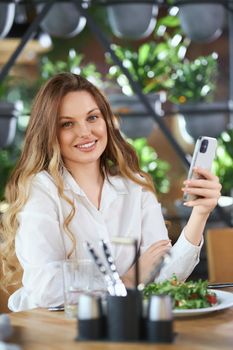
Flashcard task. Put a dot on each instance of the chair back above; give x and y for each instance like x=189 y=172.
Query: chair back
x=219 y=246
x=4 y=295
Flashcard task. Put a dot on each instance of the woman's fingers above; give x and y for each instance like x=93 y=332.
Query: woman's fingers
x=151 y=257
x=203 y=183
x=203 y=192
x=205 y=173
x=148 y=261
x=207 y=202
x=207 y=189
x=158 y=247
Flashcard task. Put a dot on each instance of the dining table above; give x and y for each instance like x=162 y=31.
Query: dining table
x=41 y=329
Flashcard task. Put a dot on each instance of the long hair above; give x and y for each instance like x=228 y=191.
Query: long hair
x=41 y=151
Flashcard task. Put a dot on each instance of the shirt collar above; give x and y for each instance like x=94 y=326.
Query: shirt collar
x=112 y=184
x=70 y=183
x=117 y=184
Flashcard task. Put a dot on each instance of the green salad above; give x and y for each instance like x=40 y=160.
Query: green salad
x=185 y=295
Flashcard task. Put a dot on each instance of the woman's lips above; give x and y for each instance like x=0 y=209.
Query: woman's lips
x=86 y=146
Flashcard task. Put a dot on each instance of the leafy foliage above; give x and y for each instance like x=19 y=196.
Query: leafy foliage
x=74 y=63
x=161 y=65
x=151 y=164
x=185 y=295
x=151 y=63
x=8 y=159
x=194 y=80
x=223 y=163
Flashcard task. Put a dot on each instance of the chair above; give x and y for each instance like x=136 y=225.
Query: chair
x=219 y=246
x=4 y=295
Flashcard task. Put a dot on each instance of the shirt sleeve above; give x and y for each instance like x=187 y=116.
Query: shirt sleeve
x=40 y=251
x=153 y=224
x=184 y=255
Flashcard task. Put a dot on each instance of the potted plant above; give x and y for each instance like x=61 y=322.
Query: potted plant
x=150 y=65
x=7 y=15
x=63 y=20
x=15 y=98
x=132 y=21
x=162 y=66
x=202 y=22
x=73 y=63
x=8 y=121
x=193 y=93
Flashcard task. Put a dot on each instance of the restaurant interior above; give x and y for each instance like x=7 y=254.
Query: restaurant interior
x=167 y=69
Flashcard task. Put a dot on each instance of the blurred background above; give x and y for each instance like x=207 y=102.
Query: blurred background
x=176 y=55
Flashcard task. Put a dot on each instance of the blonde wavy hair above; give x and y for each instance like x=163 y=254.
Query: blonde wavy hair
x=41 y=151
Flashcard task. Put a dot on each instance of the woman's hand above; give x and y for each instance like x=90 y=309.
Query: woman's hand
x=208 y=189
x=148 y=262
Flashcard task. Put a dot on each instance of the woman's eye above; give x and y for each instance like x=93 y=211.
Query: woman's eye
x=92 y=118
x=67 y=124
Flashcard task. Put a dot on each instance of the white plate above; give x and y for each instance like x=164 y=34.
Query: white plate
x=225 y=300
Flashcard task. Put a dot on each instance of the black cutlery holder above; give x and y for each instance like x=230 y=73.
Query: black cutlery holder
x=124 y=316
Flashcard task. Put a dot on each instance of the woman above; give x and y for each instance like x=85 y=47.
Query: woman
x=78 y=180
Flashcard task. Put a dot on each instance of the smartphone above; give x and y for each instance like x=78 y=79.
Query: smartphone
x=203 y=156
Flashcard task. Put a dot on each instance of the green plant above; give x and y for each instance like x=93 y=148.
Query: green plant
x=151 y=164
x=8 y=159
x=151 y=64
x=223 y=163
x=74 y=63
x=194 y=81
x=161 y=65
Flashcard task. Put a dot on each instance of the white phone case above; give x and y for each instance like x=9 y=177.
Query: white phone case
x=203 y=157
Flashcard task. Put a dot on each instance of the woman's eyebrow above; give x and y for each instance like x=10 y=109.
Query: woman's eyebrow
x=94 y=109
x=65 y=117
x=69 y=117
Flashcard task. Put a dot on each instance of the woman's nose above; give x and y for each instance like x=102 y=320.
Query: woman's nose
x=82 y=130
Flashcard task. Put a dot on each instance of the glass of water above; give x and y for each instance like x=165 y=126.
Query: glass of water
x=77 y=277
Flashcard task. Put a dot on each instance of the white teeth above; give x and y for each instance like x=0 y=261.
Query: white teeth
x=86 y=145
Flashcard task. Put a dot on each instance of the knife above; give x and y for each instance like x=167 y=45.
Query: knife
x=220 y=285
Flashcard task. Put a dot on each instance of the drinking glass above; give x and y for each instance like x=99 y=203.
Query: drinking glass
x=77 y=277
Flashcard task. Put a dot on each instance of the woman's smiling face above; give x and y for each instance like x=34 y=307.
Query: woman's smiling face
x=82 y=131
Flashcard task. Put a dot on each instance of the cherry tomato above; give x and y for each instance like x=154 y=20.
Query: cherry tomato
x=211 y=298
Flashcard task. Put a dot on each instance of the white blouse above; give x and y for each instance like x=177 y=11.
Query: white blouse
x=126 y=209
